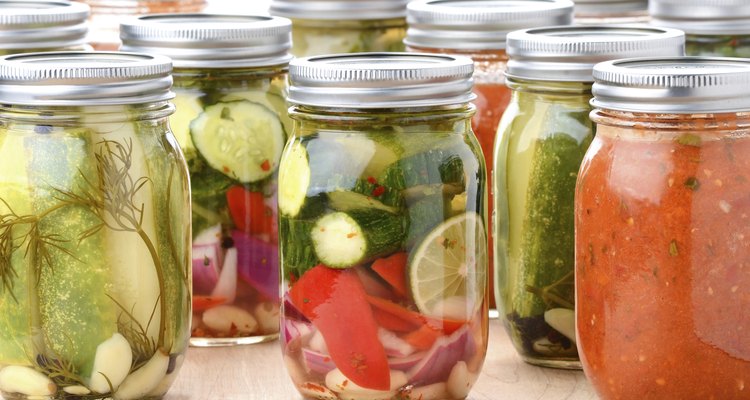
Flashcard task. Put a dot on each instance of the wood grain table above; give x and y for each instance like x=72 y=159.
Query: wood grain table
x=256 y=372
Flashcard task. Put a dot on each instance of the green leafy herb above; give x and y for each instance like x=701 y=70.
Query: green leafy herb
x=692 y=183
x=673 y=249
x=689 y=139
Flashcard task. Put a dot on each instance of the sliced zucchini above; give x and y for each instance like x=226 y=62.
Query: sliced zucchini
x=346 y=201
x=420 y=169
x=346 y=239
x=294 y=180
x=295 y=245
x=241 y=139
x=274 y=102
x=424 y=215
x=187 y=108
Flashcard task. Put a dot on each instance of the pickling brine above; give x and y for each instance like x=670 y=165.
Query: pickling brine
x=232 y=124
x=95 y=234
x=384 y=250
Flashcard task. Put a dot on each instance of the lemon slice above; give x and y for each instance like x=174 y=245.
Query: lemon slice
x=448 y=270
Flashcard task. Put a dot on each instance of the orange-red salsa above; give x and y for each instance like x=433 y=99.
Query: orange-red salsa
x=663 y=265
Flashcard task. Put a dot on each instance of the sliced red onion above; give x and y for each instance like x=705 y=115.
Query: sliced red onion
x=207 y=259
x=436 y=366
x=258 y=263
x=226 y=287
x=317 y=362
x=394 y=346
x=290 y=311
x=406 y=363
x=294 y=329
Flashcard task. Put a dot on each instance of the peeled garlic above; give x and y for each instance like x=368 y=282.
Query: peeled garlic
x=77 y=390
x=145 y=379
x=161 y=389
x=223 y=318
x=562 y=320
x=267 y=315
x=26 y=381
x=348 y=390
x=111 y=364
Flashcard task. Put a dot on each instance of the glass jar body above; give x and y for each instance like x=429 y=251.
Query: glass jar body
x=717 y=45
x=382 y=233
x=106 y=16
x=28 y=49
x=232 y=125
x=318 y=37
x=542 y=138
x=660 y=240
x=604 y=18
x=96 y=272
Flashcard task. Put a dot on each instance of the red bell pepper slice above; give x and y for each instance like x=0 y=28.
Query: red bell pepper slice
x=413 y=318
x=334 y=301
x=393 y=270
x=202 y=303
x=249 y=211
x=423 y=338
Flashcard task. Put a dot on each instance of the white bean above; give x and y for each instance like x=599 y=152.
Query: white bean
x=459 y=381
x=77 y=390
x=316 y=391
x=348 y=390
x=562 y=320
x=26 y=381
x=112 y=363
x=267 y=315
x=223 y=318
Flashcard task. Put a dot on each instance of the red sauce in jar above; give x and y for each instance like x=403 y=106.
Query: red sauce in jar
x=663 y=265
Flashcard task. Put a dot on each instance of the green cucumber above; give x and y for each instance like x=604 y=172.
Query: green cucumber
x=187 y=108
x=295 y=245
x=420 y=169
x=341 y=200
x=346 y=239
x=241 y=139
x=274 y=102
x=424 y=215
x=294 y=183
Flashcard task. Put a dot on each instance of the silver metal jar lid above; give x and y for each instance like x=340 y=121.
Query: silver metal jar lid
x=608 y=7
x=479 y=24
x=40 y=24
x=381 y=80
x=210 y=40
x=679 y=85
x=349 y=10
x=709 y=17
x=84 y=78
x=569 y=53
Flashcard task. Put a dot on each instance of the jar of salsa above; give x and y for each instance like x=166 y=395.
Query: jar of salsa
x=382 y=229
x=343 y=26
x=28 y=26
x=106 y=16
x=542 y=138
x=230 y=79
x=661 y=222
x=94 y=226
x=477 y=29
x=712 y=28
x=601 y=12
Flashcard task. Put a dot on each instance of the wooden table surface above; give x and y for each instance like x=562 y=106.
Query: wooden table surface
x=256 y=372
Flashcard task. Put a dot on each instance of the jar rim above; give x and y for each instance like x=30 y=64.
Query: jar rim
x=709 y=17
x=42 y=24
x=350 y=10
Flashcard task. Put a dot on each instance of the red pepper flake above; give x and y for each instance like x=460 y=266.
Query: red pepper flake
x=351 y=235
x=378 y=191
x=358 y=362
x=265 y=166
x=371 y=180
x=225 y=169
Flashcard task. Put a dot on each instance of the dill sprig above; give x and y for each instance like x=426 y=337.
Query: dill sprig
x=551 y=293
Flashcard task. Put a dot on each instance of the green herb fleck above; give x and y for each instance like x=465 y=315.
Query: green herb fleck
x=673 y=248
x=692 y=183
x=226 y=114
x=689 y=139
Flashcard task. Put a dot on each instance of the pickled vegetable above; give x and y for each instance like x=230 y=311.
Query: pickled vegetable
x=93 y=264
x=232 y=127
x=312 y=38
x=378 y=245
x=718 y=45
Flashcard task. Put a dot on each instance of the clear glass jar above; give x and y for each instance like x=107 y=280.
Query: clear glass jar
x=611 y=12
x=231 y=122
x=106 y=16
x=477 y=29
x=95 y=226
x=660 y=232
x=28 y=26
x=344 y=26
x=382 y=229
x=542 y=138
x=719 y=29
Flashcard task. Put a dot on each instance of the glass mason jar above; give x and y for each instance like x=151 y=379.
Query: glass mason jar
x=230 y=77
x=28 y=26
x=477 y=29
x=660 y=231
x=607 y=12
x=712 y=28
x=382 y=229
x=343 y=26
x=106 y=16
x=94 y=226
x=542 y=138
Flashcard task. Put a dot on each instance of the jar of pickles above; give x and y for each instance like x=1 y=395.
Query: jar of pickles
x=28 y=26
x=661 y=275
x=382 y=229
x=106 y=16
x=94 y=227
x=344 y=26
x=712 y=28
x=542 y=138
x=477 y=29
x=230 y=79
x=601 y=12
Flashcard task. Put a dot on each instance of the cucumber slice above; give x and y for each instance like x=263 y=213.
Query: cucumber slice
x=294 y=180
x=347 y=201
x=346 y=239
x=241 y=139
x=187 y=108
x=274 y=102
